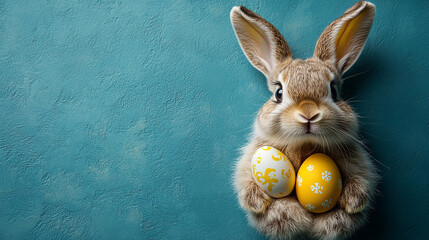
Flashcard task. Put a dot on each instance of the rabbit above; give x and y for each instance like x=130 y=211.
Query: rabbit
x=304 y=116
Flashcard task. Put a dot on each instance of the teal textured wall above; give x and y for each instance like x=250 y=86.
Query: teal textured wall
x=122 y=119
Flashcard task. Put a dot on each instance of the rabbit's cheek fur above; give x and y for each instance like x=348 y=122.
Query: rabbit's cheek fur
x=340 y=123
x=267 y=121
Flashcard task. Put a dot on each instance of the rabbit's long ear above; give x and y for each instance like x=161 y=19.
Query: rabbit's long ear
x=262 y=43
x=342 y=41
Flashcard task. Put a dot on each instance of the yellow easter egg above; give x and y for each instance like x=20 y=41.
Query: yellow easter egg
x=318 y=184
x=273 y=172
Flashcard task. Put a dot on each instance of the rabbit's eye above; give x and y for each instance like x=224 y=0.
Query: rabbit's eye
x=334 y=92
x=279 y=94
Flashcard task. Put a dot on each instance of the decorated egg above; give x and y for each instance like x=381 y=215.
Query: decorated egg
x=318 y=184
x=273 y=172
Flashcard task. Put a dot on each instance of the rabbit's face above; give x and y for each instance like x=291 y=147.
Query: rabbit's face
x=306 y=106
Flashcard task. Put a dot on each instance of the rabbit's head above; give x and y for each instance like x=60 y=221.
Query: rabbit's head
x=306 y=103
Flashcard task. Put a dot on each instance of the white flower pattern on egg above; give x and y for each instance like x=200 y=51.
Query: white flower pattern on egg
x=299 y=180
x=310 y=168
x=316 y=188
x=327 y=203
x=326 y=175
x=310 y=207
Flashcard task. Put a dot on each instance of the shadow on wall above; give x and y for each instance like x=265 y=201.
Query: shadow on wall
x=371 y=66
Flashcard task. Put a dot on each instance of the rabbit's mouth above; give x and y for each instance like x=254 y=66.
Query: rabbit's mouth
x=308 y=126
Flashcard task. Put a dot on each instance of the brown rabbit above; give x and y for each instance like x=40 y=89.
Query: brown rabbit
x=304 y=116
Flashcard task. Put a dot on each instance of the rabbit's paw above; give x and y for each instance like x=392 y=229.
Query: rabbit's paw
x=254 y=199
x=353 y=200
x=354 y=204
x=284 y=219
x=337 y=224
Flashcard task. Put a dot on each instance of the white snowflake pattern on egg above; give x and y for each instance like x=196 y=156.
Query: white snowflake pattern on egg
x=318 y=183
x=327 y=203
x=310 y=207
x=299 y=180
x=326 y=175
x=316 y=188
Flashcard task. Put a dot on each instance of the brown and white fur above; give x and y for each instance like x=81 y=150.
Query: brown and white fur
x=306 y=119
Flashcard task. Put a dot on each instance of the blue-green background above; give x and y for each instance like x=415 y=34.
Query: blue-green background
x=123 y=119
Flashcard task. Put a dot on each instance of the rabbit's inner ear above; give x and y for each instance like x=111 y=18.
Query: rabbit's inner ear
x=259 y=45
x=352 y=34
x=262 y=43
x=343 y=40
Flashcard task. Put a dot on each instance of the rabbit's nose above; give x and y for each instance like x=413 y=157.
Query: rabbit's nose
x=308 y=112
x=312 y=119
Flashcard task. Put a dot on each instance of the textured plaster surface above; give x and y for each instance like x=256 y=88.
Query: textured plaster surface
x=122 y=119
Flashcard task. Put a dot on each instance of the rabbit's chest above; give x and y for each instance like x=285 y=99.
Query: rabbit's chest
x=299 y=154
